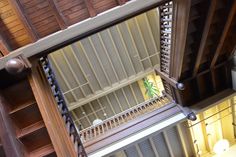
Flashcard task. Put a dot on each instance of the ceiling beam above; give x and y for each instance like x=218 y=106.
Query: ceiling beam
x=83 y=29
x=224 y=35
x=124 y=83
x=91 y=10
x=4 y=46
x=21 y=15
x=205 y=33
x=181 y=10
x=121 y=2
x=59 y=16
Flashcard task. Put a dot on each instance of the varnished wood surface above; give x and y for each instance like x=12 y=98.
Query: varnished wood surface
x=51 y=115
x=25 y=21
x=10 y=144
x=203 y=66
x=131 y=127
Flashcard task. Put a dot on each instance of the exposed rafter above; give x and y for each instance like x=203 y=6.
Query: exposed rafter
x=82 y=29
x=179 y=27
x=19 y=11
x=205 y=33
x=91 y=10
x=224 y=35
x=59 y=16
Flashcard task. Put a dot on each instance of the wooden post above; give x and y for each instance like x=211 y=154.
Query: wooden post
x=10 y=144
x=51 y=116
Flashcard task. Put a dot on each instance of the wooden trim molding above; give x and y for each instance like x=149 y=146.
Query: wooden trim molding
x=83 y=29
x=132 y=127
x=181 y=9
x=169 y=80
x=51 y=116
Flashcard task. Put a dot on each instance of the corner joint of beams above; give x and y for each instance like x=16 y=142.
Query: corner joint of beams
x=17 y=65
x=171 y=81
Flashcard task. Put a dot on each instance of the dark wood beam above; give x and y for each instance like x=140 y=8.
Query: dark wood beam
x=91 y=10
x=4 y=46
x=21 y=15
x=137 y=125
x=121 y=2
x=164 y=76
x=50 y=113
x=224 y=35
x=181 y=10
x=58 y=14
x=205 y=33
x=83 y=29
x=8 y=138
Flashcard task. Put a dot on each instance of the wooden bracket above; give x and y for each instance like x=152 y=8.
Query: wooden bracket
x=169 y=80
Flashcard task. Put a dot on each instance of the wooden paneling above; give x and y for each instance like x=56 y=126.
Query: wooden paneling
x=25 y=21
x=8 y=140
x=12 y=29
x=51 y=116
x=103 y=5
x=41 y=16
x=73 y=10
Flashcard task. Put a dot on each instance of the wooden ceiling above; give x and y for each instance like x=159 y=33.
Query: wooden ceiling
x=26 y=21
x=202 y=45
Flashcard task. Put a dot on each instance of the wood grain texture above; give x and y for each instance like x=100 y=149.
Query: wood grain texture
x=11 y=25
x=53 y=121
x=205 y=34
x=45 y=21
x=179 y=34
x=8 y=138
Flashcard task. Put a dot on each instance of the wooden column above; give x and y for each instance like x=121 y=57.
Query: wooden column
x=51 y=116
x=10 y=144
x=181 y=10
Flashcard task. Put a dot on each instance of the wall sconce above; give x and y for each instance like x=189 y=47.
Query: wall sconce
x=221 y=146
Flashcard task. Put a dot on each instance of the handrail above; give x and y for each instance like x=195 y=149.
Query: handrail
x=70 y=126
x=165 y=41
x=94 y=131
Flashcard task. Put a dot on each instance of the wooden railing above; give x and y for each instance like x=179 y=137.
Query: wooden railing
x=92 y=132
x=72 y=130
x=165 y=41
x=165 y=29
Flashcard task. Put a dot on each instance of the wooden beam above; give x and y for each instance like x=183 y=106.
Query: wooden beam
x=224 y=35
x=58 y=14
x=8 y=138
x=91 y=10
x=83 y=29
x=21 y=15
x=52 y=118
x=205 y=33
x=181 y=10
x=4 y=47
x=164 y=76
x=121 y=2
